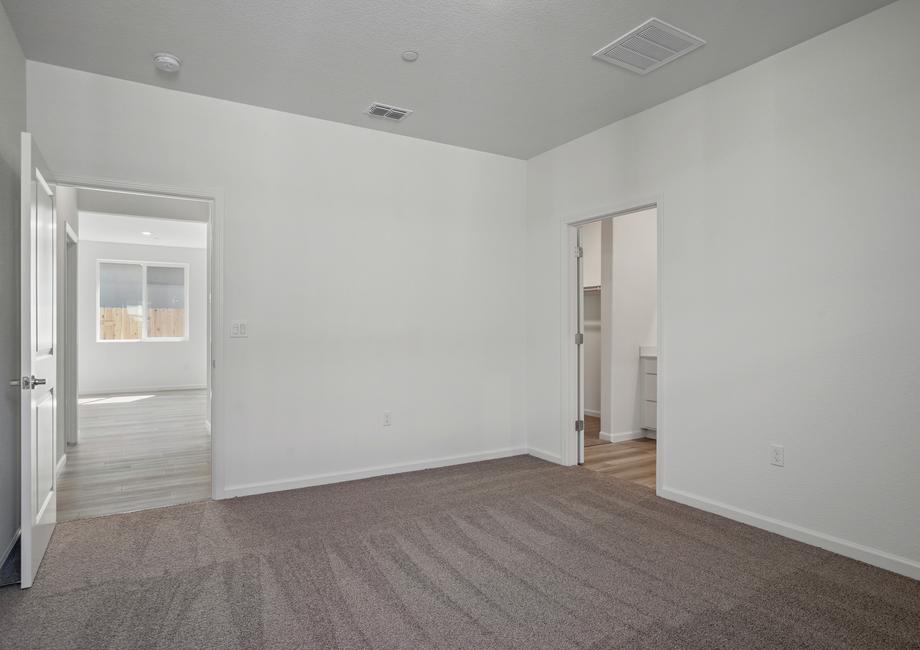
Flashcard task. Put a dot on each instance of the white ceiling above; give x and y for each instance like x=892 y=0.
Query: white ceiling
x=514 y=77
x=123 y=229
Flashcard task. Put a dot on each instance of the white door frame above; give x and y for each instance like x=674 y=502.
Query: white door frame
x=568 y=440
x=216 y=380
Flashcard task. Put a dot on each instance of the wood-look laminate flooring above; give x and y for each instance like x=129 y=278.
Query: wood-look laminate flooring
x=136 y=452
x=593 y=432
x=632 y=460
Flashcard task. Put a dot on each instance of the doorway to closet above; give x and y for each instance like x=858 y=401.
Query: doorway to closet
x=618 y=315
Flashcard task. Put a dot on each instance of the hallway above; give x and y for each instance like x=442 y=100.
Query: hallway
x=137 y=452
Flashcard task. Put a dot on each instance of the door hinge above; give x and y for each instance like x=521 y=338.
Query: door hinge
x=579 y=426
x=579 y=251
x=579 y=338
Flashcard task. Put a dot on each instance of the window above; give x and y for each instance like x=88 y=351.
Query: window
x=121 y=299
x=142 y=301
x=165 y=302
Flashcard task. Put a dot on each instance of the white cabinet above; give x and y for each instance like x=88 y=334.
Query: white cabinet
x=649 y=369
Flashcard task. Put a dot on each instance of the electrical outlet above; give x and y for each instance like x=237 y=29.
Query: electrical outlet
x=239 y=329
x=387 y=418
x=777 y=455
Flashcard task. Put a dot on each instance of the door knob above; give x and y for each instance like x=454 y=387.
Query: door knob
x=35 y=381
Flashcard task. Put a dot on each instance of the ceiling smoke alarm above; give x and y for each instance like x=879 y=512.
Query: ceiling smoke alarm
x=167 y=62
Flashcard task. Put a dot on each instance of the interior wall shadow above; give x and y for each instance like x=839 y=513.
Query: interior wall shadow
x=9 y=350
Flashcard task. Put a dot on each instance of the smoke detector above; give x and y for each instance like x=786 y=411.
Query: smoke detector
x=649 y=46
x=388 y=112
x=167 y=62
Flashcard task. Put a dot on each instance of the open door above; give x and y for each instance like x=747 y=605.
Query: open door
x=38 y=366
x=580 y=348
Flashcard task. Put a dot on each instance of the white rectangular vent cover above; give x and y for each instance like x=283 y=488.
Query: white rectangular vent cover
x=388 y=112
x=649 y=46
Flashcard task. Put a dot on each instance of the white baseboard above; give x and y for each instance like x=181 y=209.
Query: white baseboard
x=247 y=489
x=9 y=547
x=594 y=414
x=130 y=390
x=545 y=455
x=651 y=435
x=620 y=437
x=60 y=465
x=867 y=554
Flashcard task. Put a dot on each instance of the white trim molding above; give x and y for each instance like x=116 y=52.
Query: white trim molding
x=248 y=489
x=622 y=436
x=867 y=554
x=545 y=455
x=592 y=413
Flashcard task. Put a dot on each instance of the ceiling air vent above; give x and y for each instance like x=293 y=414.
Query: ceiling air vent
x=649 y=46
x=388 y=112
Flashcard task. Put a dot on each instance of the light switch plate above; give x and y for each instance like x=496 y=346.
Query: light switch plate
x=239 y=329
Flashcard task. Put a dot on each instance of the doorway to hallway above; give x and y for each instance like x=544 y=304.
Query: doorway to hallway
x=142 y=383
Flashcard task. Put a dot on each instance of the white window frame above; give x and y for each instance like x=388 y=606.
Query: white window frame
x=144 y=338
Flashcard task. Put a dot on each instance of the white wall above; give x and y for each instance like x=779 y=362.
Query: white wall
x=105 y=367
x=633 y=314
x=12 y=123
x=789 y=270
x=376 y=272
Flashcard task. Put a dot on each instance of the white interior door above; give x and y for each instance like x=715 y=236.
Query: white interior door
x=38 y=337
x=579 y=345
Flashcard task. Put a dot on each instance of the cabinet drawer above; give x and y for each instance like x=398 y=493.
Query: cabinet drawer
x=650 y=387
x=649 y=365
x=650 y=415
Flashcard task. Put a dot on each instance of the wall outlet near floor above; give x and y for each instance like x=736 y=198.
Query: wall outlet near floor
x=777 y=455
x=239 y=329
x=387 y=418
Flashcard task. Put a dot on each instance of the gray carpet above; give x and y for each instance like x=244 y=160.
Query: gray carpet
x=514 y=553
